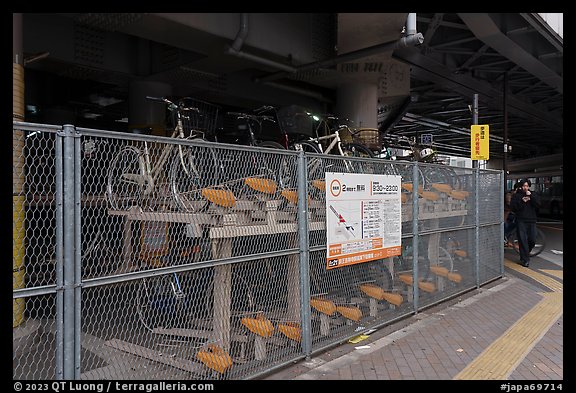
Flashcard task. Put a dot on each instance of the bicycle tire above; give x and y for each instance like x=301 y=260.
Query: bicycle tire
x=305 y=146
x=261 y=165
x=445 y=259
x=316 y=166
x=374 y=272
x=405 y=261
x=271 y=145
x=190 y=171
x=381 y=275
x=125 y=177
x=283 y=175
x=438 y=173
x=186 y=299
x=356 y=150
x=539 y=245
x=405 y=172
x=265 y=161
x=96 y=257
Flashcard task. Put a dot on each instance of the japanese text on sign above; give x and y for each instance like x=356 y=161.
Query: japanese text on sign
x=480 y=145
x=363 y=218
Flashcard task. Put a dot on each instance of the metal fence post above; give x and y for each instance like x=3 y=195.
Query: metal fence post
x=304 y=246
x=502 y=202
x=69 y=252
x=78 y=251
x=477 y=224
x=415 y=236
x=59 y=233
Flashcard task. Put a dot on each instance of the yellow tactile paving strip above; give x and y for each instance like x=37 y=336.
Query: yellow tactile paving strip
x=541 y=278
x=500 y=359
x=555 y=273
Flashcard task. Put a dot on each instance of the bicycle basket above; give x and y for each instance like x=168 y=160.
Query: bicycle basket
x=346 y=135
x=294 y=119
x=204 y=120
x=369 y=137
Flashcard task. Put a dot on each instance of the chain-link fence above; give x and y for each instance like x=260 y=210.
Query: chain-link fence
x=141 y=257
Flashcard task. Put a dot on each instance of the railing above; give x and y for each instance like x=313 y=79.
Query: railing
x=219 y=271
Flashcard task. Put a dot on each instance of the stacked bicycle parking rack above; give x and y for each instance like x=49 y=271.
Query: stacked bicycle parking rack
x=86 y=267
x=226 y=220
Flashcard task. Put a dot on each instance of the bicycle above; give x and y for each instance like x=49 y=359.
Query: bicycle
x=511 y=240
x=96 y=255
x=251 y=126
x=184 y=305
x=185 y=300
x=328 y=140
x=133 y=179
x=262 y=174
x=259 y=180
x=429 y=175
x=300 y=134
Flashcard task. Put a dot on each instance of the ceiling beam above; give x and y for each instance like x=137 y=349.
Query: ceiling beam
x=427 y=69
x=486 y=30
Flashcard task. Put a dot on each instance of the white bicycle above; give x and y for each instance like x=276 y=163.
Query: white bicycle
x=137 y=178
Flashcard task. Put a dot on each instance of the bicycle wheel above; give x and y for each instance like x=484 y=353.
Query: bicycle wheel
x=264 y=164
x=272 y=167
x=126 y=180
x=271 y=145
x=437 y=173
x=305 y=146
x=186 y=299
x=405 y=261
x=378 y=273
x=539 y=245
x=96 y=256
x=315 y=165
x=159 y=302
x=189 y=173
x=445 y=259
x=406 y=171
x=357 y=150
x=261 y=177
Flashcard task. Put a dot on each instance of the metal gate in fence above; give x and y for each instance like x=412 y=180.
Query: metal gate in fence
x=141 y=257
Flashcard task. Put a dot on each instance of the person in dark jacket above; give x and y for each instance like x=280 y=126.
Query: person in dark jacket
x=525 y=205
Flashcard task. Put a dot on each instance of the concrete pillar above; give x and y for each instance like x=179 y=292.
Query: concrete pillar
x=144 y=113
x=358 y=102
x=18 y=175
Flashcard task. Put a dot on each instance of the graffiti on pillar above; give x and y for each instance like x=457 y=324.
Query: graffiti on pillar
x=395 y=80
x=373 y=67
x=349 y=67
x=362 y=67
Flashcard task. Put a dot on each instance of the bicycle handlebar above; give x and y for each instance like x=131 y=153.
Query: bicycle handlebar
x=159 y=99
x=264 y=108
x=249 y=116
x=171 y=105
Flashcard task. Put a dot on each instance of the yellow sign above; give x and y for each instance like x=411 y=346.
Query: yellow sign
x=480 y=145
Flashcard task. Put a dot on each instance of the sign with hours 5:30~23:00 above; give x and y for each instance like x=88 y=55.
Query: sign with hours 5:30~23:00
x=363 y=218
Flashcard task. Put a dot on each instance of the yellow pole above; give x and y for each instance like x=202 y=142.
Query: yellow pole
x=18 y=196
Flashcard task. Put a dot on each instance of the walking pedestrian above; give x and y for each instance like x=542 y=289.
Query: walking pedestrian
x=525 y=206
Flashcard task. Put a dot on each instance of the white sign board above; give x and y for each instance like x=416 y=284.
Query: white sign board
x=363 y=218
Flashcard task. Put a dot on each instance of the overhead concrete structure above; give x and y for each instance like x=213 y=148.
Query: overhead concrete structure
x=249 y=59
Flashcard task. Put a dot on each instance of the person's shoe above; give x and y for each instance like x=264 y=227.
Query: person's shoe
x=525 y=264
